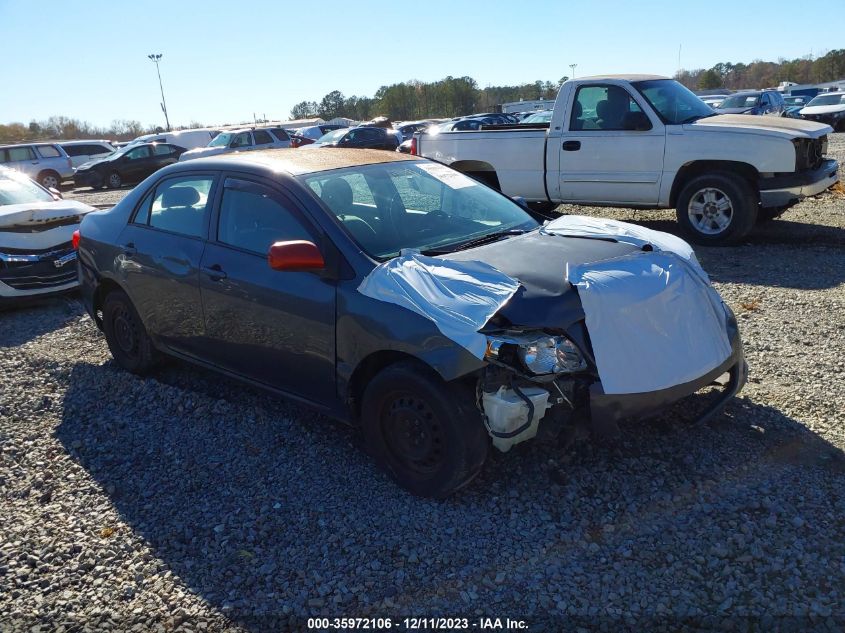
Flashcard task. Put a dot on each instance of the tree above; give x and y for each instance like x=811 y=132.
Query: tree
x=709 y=79
x=331 y=105
x=304 y=110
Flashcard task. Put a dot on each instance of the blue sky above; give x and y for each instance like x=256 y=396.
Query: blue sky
x=223 y=61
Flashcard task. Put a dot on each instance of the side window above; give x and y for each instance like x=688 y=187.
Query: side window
x=20 y=153
x=48 y=151
x=179 y=205
x=358 y=187
x=76 y=150
x=604 y=108
x=138 y=153
x=262 y=137
x=162 y=150
x=241 y=140
x=280 y=134
x=253 y=219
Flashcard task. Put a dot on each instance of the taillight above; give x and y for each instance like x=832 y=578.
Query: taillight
x=414 y=146
x=74 y=241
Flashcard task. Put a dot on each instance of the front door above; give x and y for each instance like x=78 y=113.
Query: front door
x=611 y=149
x=273 y=327
x=136 y=164
x=161 y=250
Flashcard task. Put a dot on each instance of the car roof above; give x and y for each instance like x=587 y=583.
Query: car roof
x=84 y=141
x=622 y=77
x=25 y=144
x=298 y=161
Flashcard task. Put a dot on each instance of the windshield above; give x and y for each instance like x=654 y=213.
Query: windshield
x=539 y=117
x=672 y=101
x=827 y=100
x=740 y=101
x=332 y=137
x=415 y=205
x=221 y=140
x=15 y=189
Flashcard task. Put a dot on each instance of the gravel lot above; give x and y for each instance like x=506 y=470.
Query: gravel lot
x=186 y=501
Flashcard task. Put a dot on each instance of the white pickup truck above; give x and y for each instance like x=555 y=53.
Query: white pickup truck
x=643 y=141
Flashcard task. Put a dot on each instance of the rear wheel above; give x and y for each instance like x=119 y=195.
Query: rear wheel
x=49 y=179
x=427 y=433
x=126 y=336
x=717 y=209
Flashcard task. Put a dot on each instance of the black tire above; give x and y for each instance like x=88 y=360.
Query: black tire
x=708 y=192
x=128 y=341
x=113 y=180
x=49 y=179
x=426 y=433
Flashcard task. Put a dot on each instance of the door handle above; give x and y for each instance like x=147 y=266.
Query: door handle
x=129 y=249
x=215 y=272
x=571 y=146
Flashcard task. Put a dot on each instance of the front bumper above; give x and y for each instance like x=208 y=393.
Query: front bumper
x=779 y=191
x=606 y=410
x=87 y=179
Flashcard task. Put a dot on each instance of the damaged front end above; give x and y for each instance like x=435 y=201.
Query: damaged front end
x=529 y=376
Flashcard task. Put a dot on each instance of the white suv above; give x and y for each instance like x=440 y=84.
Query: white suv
x=46 y=163
x=82 y=151
x=241 y=141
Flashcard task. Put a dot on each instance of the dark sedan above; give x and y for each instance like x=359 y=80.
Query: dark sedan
x=403 y=297
x=363 y=137
x=129 y=164
x=765 y=102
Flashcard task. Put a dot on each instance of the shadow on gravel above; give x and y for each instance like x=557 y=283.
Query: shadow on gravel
x=270 y=514
x=34 y=317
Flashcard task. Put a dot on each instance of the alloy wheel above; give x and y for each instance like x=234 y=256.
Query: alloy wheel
x=710 y=211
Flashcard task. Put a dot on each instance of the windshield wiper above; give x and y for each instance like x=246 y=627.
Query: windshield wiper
x=697 y=117
x=479 y=241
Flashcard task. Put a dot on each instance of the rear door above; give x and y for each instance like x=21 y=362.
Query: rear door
x=161 y=250
x=263 y=140
x=163 y=154
x=23 y=158
x=611 y=148
x=273 y=327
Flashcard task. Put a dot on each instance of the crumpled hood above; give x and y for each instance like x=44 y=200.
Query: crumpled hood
x=539 y=261
x=785 y=127
x=202 y=152
x=40 y=215
x=823 y=109
x=93 y=163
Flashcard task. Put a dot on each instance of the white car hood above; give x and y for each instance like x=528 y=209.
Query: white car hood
x=771 y=125
x=36 y=214
x=39 y=225
x=823 y=109
x=203 y=152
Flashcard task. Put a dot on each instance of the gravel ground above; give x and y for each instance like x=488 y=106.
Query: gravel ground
x=186 y=501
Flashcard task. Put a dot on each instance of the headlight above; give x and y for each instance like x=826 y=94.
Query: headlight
x=539 y=354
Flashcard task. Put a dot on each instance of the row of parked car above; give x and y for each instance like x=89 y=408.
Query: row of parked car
x=827 y=107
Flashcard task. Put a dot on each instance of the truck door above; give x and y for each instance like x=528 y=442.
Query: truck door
x=611 y=148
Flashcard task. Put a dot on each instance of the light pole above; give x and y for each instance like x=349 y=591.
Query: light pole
x=156 y=58
x=572 y=68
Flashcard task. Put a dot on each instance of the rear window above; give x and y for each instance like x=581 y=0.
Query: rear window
x=280 y=134
x=262 y=137
x=14 y=154
x=48 y=151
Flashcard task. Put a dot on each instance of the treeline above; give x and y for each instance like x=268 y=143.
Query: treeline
x=449 y=97
x=62 y=128
x=760 y=74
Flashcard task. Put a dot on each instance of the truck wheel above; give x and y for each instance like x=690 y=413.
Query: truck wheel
x=426 y=433
x=128 y=341
x=716 y=209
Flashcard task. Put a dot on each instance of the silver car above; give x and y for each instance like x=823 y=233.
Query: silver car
x=243 y=140
x=46 y=163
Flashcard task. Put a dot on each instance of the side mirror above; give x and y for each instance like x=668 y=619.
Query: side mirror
x=295 y=256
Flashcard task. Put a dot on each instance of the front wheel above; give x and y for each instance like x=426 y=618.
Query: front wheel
x=427 y=433
x=114 y=180
x=717 y=209
x=126 y=336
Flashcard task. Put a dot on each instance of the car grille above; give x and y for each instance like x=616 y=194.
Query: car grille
x=38 y=270
x=809 y=153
